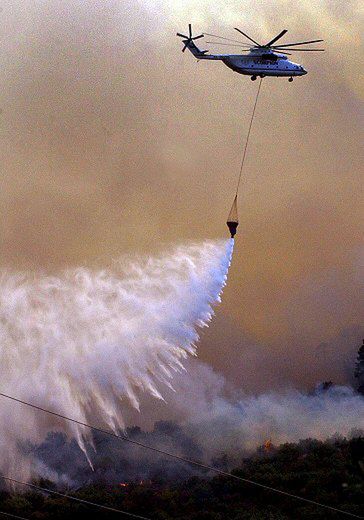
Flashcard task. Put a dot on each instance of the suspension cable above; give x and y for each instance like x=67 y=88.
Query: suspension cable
x=247 y=137
x=180 y=458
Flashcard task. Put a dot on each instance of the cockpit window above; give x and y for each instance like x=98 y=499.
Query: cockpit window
x=269 y=57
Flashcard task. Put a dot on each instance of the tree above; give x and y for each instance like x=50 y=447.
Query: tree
x=359 y=369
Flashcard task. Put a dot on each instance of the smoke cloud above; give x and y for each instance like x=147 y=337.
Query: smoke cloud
x=205 y=420
x=88 y=342
x=226 y=420
x=113 y=140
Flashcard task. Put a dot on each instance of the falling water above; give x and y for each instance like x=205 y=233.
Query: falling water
x=86 y=343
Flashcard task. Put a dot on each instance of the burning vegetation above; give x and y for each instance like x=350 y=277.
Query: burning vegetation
x=295 y=468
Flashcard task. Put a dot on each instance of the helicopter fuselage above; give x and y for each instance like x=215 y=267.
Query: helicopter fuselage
x=256 y=63
x=251 y=65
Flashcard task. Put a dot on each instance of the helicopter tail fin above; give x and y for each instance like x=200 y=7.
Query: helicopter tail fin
x=188 y=43
x=192 y=47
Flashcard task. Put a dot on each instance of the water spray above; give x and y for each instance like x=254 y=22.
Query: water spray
x=88 y=343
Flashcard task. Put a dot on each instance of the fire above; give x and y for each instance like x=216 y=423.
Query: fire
x=136 y=482
x=268 y=445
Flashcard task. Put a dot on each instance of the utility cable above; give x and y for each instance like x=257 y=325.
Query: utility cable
x=247 y=137
x=72 y=497
x=180 y=458
x=13 y=516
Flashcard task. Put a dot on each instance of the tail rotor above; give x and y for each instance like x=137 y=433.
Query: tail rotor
x=188 y=39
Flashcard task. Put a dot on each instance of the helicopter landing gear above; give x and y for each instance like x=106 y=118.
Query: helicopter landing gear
x=253 y=78
x=290 y=80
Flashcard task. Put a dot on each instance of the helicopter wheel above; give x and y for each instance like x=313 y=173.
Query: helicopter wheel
x=290 y=80
x=253 y=78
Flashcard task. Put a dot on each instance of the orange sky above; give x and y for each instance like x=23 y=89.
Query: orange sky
x=114 y=141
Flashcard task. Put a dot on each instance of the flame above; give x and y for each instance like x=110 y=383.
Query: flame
x=145 y=482
x=268 y=445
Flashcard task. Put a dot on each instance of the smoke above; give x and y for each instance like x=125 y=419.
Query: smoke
x=204 y=420
x=244 y=422
x=96 y=345
x=224 y=419
x=104 y=122
x=88 y=342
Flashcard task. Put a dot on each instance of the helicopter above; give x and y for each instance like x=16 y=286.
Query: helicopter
x=260 y=60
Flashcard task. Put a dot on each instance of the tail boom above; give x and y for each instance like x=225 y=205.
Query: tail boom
x=198 y=53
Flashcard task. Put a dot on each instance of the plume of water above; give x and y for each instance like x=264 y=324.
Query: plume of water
x=87 y=342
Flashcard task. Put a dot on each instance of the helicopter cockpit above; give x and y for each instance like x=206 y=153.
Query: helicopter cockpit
x=269 y=57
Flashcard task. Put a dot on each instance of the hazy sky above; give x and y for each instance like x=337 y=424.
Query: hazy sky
x=113 y=141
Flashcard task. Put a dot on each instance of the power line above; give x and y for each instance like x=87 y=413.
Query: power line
x=180 y=458
x=71 y=497
x=13 y=516
x=247 y=137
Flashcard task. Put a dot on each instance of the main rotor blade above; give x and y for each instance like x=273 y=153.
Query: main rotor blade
x=223 y=38
x=190 y=29
x=276 y=38
x=182 y=36
x=299 y=50
x=233 y=45
x=249 y=48
x=197 y=37
x=246 y=36
x=274 y=54
x=297 y=43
